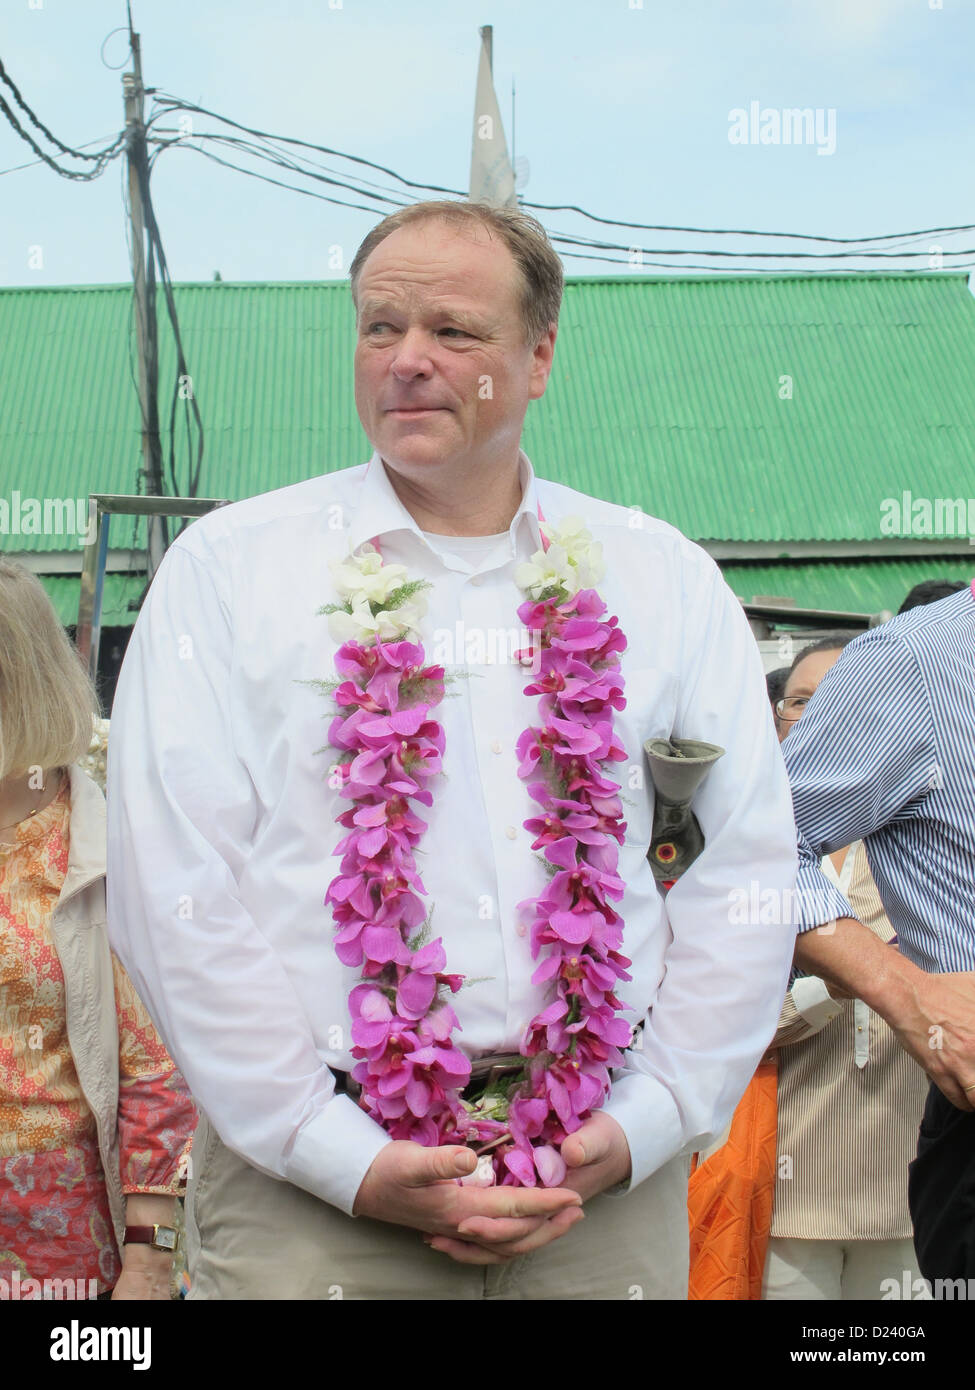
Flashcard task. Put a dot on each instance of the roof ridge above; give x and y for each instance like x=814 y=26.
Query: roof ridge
x=763 y=278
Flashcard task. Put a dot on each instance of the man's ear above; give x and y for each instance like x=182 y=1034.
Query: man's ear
x=542 y=355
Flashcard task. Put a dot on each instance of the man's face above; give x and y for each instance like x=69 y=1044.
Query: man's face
x=443 y=374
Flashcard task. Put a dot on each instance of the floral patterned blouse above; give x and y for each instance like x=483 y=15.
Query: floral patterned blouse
x=55 y=1220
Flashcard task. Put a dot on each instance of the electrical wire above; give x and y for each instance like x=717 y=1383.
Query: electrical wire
x=157 y=257
x=285 y=162
x=100 y=160
x=33 y=163
x=266 y=178
x=743 y=231
x=748 y=270
x=269 y=149
x=170 y=103
x=116 y=67
x=754 y=255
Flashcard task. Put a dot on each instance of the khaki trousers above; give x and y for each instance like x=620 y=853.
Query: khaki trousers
x=251 y=1236
x=840 y=1269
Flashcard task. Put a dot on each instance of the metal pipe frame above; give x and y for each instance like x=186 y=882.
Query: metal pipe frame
x=102 y=506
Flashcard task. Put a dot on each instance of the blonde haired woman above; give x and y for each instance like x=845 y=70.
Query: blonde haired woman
x=95 y=1121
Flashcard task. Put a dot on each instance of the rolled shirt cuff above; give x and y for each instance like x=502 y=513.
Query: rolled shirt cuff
x=645 y=1111
x=817 y=901
x=333 y=1152
x=814 y=1001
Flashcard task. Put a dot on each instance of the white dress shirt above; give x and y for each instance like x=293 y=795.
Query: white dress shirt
x=222 y=824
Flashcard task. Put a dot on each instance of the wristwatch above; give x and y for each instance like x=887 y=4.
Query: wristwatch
x=159 y=1237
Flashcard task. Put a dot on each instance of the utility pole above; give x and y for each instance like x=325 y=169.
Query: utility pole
x=145 y=312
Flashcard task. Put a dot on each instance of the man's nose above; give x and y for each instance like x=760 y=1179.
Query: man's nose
x=412 y=356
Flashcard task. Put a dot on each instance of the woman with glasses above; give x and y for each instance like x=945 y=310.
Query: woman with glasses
x=850 y=1101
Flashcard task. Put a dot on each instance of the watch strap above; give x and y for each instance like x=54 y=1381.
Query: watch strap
x=146 y=1235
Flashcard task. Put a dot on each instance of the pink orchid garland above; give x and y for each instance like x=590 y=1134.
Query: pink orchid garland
x=410 y=1073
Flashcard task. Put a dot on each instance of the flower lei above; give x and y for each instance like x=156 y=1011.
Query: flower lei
x=390 y=750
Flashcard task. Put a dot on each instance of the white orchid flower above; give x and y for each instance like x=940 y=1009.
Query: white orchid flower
x=363 y=576
x=572 y=562
x=357 y=626
x=402 y=623
x=388 y=625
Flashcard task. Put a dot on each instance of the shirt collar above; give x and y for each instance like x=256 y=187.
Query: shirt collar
x=379 y=512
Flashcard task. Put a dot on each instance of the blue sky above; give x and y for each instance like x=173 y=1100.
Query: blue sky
x=622 y=110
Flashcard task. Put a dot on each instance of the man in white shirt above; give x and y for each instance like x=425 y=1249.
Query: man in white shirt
x=222 y=823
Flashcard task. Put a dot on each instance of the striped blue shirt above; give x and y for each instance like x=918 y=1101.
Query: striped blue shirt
x=885 y=752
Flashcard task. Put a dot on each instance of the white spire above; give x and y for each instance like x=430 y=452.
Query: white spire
x=492 y=178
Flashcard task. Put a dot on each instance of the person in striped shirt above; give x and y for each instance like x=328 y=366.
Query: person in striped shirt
x=849 y=1100
x=885 y=753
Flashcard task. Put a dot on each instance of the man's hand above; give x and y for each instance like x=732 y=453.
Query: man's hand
x=409 y=1185
x=597 y=1156
x=932 y=1015
x=934 y=1018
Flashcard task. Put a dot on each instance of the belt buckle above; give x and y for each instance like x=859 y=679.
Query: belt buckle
x=486 y=1072
x=501 y=1069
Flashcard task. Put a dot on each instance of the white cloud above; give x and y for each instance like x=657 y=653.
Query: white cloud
x=828 y=25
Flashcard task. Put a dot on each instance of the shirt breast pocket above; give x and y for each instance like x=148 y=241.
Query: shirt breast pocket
x=651 y=704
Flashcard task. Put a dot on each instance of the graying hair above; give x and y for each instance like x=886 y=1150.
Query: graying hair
x=541 y=270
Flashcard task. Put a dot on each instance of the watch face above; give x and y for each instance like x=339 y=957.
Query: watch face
x=165 y=1238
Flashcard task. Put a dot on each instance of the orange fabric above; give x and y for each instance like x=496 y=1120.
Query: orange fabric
x=730 y=1198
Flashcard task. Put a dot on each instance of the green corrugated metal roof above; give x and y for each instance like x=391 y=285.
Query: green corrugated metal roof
x=855 y=586
x=64 y=591
x=665 y=394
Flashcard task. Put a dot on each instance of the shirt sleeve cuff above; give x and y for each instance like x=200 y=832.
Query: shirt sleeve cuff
x=817 y=901
x=814 y=1001
x=333 y=1152
x=647 y=1115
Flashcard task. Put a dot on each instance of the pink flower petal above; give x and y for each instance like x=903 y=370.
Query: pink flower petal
x=519 y=1163
x=415 y=994
x=383 y=944
x=549 y=1164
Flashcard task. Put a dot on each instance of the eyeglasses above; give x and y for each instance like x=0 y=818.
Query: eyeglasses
x=791 y=707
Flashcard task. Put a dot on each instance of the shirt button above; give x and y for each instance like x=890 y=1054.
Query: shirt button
x=477 y=579
x=521 y=928
x=496 y=746
x=511 y=833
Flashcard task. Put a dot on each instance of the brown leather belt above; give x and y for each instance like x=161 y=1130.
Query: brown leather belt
x=484 y=1072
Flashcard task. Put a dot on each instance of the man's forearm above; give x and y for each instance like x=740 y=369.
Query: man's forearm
x=848 y=955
